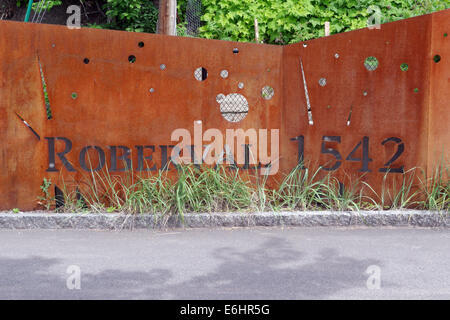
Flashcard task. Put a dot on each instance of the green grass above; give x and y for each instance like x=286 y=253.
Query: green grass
x=437 y=190
x=194 y=189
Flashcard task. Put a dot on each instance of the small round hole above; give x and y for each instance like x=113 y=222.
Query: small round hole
x=371 y=63
x=437 y=58
x=233 y=107
x=235 y=50
x=74 y=95
x=267 y=92
x=141 y=44
x=241 y=85
x=131 y=59
x=416 y=90
x=162 y=66
x=224 y=74
x=322 y=82
x=200 y=74
x=404 y=67
x=446 y=34
x=86 y=61
x=151 y=90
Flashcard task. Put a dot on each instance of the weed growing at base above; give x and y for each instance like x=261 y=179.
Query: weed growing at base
x=224 y=189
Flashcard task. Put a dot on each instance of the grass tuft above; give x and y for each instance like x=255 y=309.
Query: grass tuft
x=224 y=188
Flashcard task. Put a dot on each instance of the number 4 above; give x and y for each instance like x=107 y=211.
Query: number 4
x=365 y=155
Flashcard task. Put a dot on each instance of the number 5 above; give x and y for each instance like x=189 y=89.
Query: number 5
x=331 y=151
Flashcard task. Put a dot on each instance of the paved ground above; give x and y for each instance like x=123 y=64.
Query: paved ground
x=258 y=263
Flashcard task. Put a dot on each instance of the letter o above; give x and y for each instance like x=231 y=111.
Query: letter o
x=101 y=158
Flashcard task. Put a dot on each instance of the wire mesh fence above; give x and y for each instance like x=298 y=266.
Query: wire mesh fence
x=233 y=107
x=193 y=17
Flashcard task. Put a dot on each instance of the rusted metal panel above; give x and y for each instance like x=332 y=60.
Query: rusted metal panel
x=357 y=105
x=121 y=92
x=98 y=98
x=439 y=115
x=23 y=155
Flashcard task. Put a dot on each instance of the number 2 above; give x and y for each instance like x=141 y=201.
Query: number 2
x=398 y=153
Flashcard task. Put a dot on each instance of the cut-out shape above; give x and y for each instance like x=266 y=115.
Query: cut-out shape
x=241 y=85
x=59 y=198
x=200 y=74
x=322 y=82
x=371 y=63
x=45 y=93
x=28 y=126
x=349 y=119
x=341 y=189
x=308 y=104
x=224 y=74
x=404 y=67
x=86 y=61
x=267 y=92
x=131 y=59
x=437 y=58
x=141 y=44
x=233 y=107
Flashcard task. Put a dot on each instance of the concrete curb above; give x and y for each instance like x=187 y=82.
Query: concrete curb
x=117 y=221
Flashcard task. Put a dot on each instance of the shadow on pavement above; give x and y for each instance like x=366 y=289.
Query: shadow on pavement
x=272 y=271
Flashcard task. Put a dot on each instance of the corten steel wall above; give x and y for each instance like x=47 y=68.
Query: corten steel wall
x=411 y=106
x=112 y=102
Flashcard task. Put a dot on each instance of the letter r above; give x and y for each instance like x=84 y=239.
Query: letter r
x=61 y=155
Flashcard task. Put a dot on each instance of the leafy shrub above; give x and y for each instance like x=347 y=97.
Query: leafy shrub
x=132 y=15
x=47 y=6
x=282 y=22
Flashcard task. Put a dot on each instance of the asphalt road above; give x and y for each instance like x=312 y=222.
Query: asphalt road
x=258 y=263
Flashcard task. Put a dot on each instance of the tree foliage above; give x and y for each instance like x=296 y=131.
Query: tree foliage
x=132 y=15
x=282 y=22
